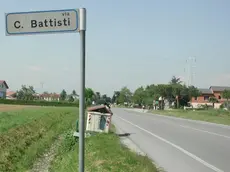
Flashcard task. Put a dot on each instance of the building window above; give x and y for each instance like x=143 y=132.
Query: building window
x=206 y=97
x=219 y=97
x=195 y=98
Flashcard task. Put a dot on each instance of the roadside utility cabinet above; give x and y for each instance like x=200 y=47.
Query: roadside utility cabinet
x=98 y=119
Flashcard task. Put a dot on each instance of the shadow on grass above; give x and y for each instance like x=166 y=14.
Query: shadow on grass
x=124 y=134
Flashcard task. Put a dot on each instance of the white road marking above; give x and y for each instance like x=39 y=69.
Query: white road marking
x=175 y=146
x=205 y=131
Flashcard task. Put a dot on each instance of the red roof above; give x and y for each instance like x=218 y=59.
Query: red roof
x=10 y=93
x=53 y=95
x=4 y=82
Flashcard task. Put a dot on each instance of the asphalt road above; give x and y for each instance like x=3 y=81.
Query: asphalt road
x=177 y=145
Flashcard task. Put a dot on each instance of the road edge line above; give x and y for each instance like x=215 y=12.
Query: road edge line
x=183 y=119
x=175 y=146
x=140 y=151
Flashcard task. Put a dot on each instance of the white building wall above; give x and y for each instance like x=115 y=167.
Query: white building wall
x=3 y=90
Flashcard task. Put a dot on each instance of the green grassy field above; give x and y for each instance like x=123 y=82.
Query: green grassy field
x=215 y=116
x=104 y=153
x=27 y=134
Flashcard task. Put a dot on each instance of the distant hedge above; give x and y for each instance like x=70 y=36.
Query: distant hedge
x=38 y=103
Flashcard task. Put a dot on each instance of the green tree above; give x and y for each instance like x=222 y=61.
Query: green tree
x=71 y=99
x=193 y=92
x=26 y=93
x=97 y=95
x=150 y=91
x=115 y=97
x=139 y=96
x=63 y=95
x=176 y=93
x=74 y=93
x=89 y=95
x=163 y=91
x=109 y=100
x=101 y=101
x=226 y=95
x=187 y=93
x=181 y=93
x=213 y=100
x=176 y=89
x=125 y=96
x=148 y=101
x=175 y=80
x=104 y=96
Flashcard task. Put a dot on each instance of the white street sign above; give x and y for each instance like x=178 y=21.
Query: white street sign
x=36 y=22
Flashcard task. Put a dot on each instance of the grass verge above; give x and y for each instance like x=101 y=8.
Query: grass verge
x=30 y=133
x=104 y=153
x=214 y=116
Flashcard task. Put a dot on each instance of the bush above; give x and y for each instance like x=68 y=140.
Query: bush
x=38 y=103
x=225 y=105
x=69 y=142
x=222 y=106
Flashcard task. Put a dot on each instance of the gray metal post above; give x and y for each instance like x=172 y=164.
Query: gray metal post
x=82 y=28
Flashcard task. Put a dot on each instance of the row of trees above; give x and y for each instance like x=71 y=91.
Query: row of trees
x=96 y=97
x=174 y=91
x=68 y=97
x=26 y=93
x=90 y=97
x=29 y=93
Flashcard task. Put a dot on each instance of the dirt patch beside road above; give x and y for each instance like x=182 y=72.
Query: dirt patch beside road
x=5 y=108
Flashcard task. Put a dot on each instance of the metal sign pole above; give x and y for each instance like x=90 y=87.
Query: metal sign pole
x=82 y=28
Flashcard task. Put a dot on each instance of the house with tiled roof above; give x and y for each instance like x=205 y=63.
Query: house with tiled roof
x=206 y=93
x=3 y=89
x=11 y=95
x=49 y=96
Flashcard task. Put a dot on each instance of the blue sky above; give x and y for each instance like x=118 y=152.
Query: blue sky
x=129 y=43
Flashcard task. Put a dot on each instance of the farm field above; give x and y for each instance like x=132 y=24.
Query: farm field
x=5 y=108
